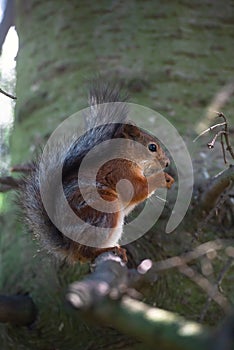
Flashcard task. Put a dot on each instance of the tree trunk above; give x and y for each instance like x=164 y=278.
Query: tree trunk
x=171 y=58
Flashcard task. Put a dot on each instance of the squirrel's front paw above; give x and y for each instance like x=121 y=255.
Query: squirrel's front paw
x=169 y=180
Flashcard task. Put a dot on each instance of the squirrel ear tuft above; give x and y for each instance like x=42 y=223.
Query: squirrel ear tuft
x=128 y=130
x=132 y=130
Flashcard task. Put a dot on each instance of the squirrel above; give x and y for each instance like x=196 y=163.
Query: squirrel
x=142 y=167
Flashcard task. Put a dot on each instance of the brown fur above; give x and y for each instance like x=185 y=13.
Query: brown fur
x=144 y=171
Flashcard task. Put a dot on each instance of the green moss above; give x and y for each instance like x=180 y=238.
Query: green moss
x=177 y=47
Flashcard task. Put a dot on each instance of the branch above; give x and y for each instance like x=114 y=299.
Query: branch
x=217 y=186
x=208 y=130
x=152 y=325
x=111 y=275
x=102 y=297
x=17 y=309
x=22 y=168
x=7 y=94
x=202 y=249
x=8 y=183
x=181 y=262
x=209 y=288
x=226 y=135
x=119 y=280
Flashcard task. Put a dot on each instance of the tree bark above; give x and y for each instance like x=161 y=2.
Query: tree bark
x=172 y=58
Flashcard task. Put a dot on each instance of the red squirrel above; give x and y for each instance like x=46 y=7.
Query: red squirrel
x=144 y=170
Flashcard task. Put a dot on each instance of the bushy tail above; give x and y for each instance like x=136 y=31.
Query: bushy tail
x=99 y=119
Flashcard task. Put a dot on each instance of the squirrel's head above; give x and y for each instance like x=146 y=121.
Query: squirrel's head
x=151 y=157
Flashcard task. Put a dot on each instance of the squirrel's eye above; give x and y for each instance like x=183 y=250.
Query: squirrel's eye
x=152 y=147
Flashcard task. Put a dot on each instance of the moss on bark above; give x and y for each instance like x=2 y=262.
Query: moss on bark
x=172 y=58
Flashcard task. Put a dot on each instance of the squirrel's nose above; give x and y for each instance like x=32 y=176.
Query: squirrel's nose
x=165 y=162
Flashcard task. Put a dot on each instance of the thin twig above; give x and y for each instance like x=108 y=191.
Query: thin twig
x=212 y=143
x=22 y=168
x=207 y=130
x=208 y=287
x=223 y=133
x=8 y=183
x=226 y=136
x=197 y=252
x=223 y=150
x=181 y=262
x=7 y=94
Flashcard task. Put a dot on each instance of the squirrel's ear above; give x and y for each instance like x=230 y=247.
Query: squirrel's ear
x=128 y=130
